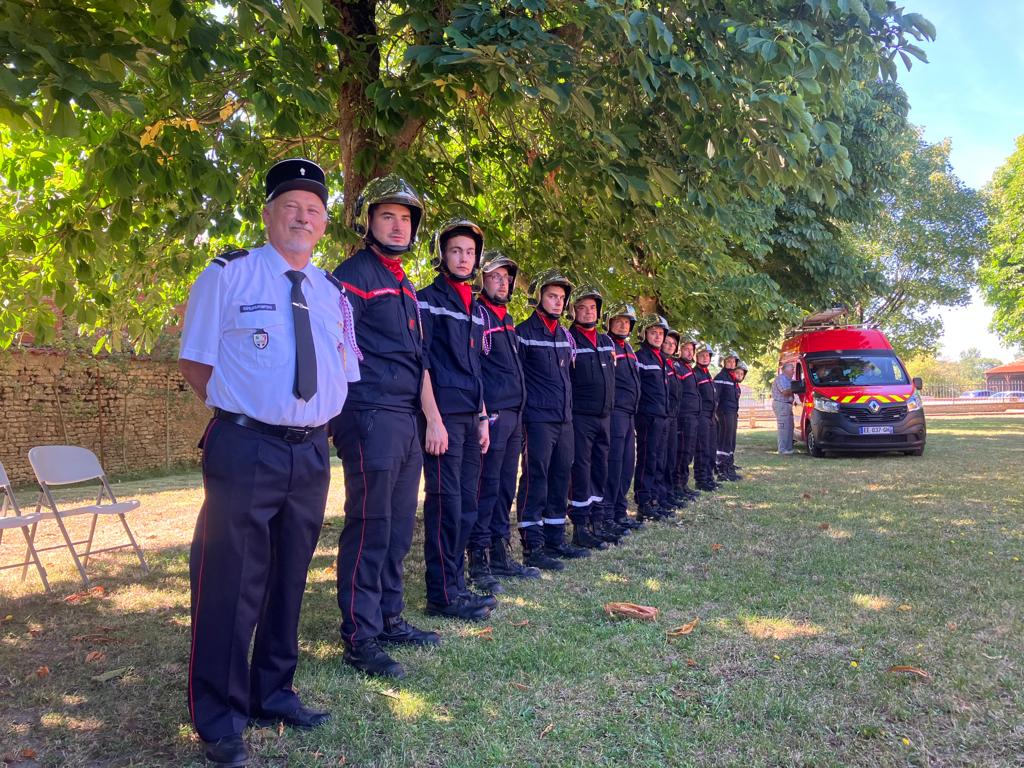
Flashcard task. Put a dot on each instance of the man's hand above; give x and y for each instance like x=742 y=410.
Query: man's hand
x=197 y=375
x=485 y=436
x=436 y=439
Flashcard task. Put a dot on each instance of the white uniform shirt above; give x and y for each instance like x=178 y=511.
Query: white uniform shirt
x=239 y=320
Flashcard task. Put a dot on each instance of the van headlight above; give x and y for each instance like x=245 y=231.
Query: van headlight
x=825 y=405
x=914 y=402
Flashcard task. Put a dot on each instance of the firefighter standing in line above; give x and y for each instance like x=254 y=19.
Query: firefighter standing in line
x=704 y=460
x=377 y=435
x=593 y=394
x=667 y=496
x=452 y=338
x=727 y=390
x=619 y=322
x=689 y=412
x=547 y=354
x=490 y=551
x=652 y=412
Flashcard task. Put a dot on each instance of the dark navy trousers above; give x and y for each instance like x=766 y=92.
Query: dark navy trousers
x=725 y=453
x=544 y=482
x=499 y=467
x=621 y=463
x=704 y=461
x=380 y=452
x=650 y=444
x=667 y=460
x=687 y=448
x=451 y=481
x=589 y=467
x=254 y=538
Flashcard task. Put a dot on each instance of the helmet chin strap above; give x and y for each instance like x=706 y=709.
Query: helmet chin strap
x=458 y=278
x=587 y=326
x=547 y=314
x=495 y=300
x=618 y=336
x=393 y=250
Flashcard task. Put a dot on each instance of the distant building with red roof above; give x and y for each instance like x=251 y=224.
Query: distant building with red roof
x=1005 y=377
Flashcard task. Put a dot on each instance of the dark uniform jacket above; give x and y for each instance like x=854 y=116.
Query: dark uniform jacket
x=706 y=389
x=547 y=360
x=501 y=365
x=627 y=377
x=675 y=387
x=690 y=403
x=388 y=333
x=592 y=375
x=727 y=390
x=452 y=338
x=653 y=383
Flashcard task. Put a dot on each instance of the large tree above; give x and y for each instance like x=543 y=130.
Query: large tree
x=1002 y=274
x=663 y=149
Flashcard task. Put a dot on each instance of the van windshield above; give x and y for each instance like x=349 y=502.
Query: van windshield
x=862 y=369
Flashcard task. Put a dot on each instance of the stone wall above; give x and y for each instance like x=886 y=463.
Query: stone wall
x=135 y=414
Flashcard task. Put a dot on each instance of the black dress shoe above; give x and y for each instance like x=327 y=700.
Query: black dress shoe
x=460 y=608
x=370 y=658
x=399 y=631
x=229 y=752
x=303 y=718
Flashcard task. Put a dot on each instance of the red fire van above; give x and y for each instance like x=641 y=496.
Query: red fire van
x=854 y=393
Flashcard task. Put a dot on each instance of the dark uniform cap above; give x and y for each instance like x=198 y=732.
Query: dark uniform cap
x=548 y=277
x=296 y=173
x=387 y=189
x=494 y=259
x=620 y=309
x=451 y=228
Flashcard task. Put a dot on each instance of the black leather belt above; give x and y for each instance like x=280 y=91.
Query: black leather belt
x=288 y=434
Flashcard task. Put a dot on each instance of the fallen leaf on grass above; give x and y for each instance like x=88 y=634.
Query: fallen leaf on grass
x=692 y=663
x=547 y=729
x=522 y=623
x=389 y=694
x=43 y=672
x=8 y=617
x=487 y=633
x=77 y=597
x=911 y=670
x=28 y=754
x=685 y=629
x=93 y=657
x=520 y=686
x=805 y=495
x=904 y=607
x=106 y=677
x=93 y=639
x=716 y=547
x=951 y=626
x=631 y=611
x=824 y=526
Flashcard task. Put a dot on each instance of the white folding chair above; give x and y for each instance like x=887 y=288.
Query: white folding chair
x=67 y=464
x=27 y=524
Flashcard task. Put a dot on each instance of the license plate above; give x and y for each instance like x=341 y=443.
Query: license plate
x=876 y=430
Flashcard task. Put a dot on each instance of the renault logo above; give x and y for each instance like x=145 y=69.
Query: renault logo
x=874 y=407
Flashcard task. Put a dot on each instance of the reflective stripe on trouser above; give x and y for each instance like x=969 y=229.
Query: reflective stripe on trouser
x=667 y=460
x=703 y=461
x=725 y=456
x=621 y=463
x=254 y=539
x=544 y=482
x=450 y=483
x=784 y=425
x=499 y=467
x=650 y=442
x=687 y=448
x=381 y=455
x=589 y=467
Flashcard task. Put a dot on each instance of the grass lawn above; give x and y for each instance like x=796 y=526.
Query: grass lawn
x=811 y=579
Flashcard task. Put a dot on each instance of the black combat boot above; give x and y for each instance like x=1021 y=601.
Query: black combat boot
x=370 y=658
x=629 y=523
x=398 y=631
x=460 y=608
x=480 y=572
x=582 y=537
x=489 y=602
x=504 y=565
x=565 y=551
x=605 y=532
x=536 y=557
x=647 y=511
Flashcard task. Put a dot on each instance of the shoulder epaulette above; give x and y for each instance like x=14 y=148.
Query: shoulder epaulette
x=334 y=281
x=229 y=256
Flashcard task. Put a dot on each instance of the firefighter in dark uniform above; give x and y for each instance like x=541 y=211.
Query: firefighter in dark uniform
x=667 y=496
x=377 y=434
x=268 y=344
x=704 y=460
x=547 y=354
x=593 y=394
x=619 y=322
x=689 y=413
x=490 y=550
x=453 y=336
x=727 y=389
x=651 y=416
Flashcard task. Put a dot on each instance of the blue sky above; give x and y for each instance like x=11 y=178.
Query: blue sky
x=972 y=91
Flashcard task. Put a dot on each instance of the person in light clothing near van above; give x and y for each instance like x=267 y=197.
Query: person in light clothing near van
x=782 y=404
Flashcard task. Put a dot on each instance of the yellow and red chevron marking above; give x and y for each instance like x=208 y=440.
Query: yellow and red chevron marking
x=845 y=399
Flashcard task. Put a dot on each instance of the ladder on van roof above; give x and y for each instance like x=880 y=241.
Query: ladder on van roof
x=825 y=320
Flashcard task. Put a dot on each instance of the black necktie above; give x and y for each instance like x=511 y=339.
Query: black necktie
x=305 y=352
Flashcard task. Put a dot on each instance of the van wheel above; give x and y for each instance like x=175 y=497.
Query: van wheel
x=812 y=444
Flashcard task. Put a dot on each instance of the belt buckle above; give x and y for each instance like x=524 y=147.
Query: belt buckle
x=296 y=434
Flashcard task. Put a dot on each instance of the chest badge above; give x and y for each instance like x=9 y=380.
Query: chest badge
x=260 y=339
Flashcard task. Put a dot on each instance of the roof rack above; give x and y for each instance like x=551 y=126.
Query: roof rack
x=829 y=319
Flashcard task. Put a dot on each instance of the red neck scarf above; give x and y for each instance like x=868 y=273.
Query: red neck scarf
x=394 y=266
x=549 y=322
x=499 y=309
x=589 y=333
x=464 y=290
x=657 y=354
x=620 y=342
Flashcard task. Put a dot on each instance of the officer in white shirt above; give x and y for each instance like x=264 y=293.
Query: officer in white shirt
x=268 y=344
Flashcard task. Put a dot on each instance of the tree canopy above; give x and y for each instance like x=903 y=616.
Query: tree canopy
x=1002 y=274
x=703 y=154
